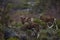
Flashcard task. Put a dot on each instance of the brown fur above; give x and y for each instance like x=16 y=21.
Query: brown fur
x=30 y=26
x=47 y=18
x=25 y=19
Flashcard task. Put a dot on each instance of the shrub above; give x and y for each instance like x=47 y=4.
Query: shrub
x=18 y=24
x=39 y=22
x=58 y=23
x=58 y=33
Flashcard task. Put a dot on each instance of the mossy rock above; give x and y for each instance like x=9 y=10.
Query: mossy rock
x=13 y=38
